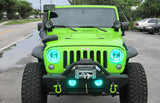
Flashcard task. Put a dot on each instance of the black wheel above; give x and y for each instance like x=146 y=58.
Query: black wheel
x=33 y=90
x=156 y=31
x=136 y=91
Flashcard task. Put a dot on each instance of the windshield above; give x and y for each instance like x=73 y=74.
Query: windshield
x=144 y=20
x=77 y=17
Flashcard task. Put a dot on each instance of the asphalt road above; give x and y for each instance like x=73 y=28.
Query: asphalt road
x=13 y=60
x=13 y=33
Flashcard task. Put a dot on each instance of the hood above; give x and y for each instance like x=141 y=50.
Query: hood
x=90 y=37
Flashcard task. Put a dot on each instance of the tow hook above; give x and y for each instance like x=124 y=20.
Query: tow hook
x=113 y=89
x=58 y=89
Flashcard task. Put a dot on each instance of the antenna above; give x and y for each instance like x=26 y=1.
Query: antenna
x=123 y=13
x=51 y=1
x=40 y=8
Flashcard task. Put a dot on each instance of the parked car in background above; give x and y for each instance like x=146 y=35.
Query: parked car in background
x=31 y=17
x=141 y=25
x=37 y=16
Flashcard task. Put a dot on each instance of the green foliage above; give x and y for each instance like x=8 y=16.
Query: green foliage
x=2 y=8
x=150 y=8
x=1 y=21
x=131 y=26
x=12 y=7
x=36 y=12
x=24 y=9
x=1 y=15
x=13 y=22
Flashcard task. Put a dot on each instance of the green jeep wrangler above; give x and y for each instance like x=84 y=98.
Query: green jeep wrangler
x=83 y=54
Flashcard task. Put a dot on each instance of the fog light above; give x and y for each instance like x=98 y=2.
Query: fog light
x=72 y=83
x=98 y=82
x=51 y=67
x=119 y=66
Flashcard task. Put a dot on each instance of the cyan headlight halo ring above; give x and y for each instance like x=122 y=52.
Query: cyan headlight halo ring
x=53 y=56
x=116 y=55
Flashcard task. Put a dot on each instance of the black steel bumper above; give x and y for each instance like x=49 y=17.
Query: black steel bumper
x=85 y=86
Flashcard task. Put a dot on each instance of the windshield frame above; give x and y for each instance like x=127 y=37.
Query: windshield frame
x=92 y=7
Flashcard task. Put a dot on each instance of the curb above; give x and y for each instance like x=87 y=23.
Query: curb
x=1 y=49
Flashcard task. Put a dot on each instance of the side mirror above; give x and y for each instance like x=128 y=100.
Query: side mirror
x=39 y=26
x=125 y=26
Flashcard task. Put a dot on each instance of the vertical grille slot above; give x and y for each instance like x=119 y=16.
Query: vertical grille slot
x=71 y=57
x=85 y=54
x=64 y=59
x=78 y=55
x=98 y=56
x=105 y=59
x=92 y=55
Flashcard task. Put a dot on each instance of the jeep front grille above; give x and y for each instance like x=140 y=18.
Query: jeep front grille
x=72 y=56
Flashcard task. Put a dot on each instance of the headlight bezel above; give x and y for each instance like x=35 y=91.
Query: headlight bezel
x=51 y=59
x=117 y=60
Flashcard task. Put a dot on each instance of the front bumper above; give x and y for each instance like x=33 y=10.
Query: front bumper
x=85 y=86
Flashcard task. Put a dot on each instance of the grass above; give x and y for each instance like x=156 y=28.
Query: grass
x=13 y=22
x=2 y=21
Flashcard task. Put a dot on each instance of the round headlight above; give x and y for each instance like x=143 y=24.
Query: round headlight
x=53 y=56
x=116 y=55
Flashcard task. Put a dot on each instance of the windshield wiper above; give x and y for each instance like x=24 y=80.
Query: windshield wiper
x=71 y=28
x=101 y=29
x=63 y=26
x=93 y=27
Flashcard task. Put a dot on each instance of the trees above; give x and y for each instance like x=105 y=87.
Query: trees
x=12 y=7
x=24 y=9
x=36 y=12
x=2 y=8
x=149 y=8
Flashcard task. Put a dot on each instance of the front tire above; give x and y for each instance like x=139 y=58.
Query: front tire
x=156 y=31
x=136 y=91
x=33 y=90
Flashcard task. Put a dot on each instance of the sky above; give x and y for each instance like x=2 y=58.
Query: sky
x=36 y=3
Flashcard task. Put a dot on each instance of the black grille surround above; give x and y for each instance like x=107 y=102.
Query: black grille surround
x=72 y=56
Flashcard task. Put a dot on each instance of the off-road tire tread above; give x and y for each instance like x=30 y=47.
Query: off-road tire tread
x=32 y=89
x=136 y=91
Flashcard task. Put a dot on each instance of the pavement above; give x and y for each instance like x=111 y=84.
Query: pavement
x=13 y=60
x=9 y=34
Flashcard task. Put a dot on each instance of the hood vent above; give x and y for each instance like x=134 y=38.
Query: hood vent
x=88 y=30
